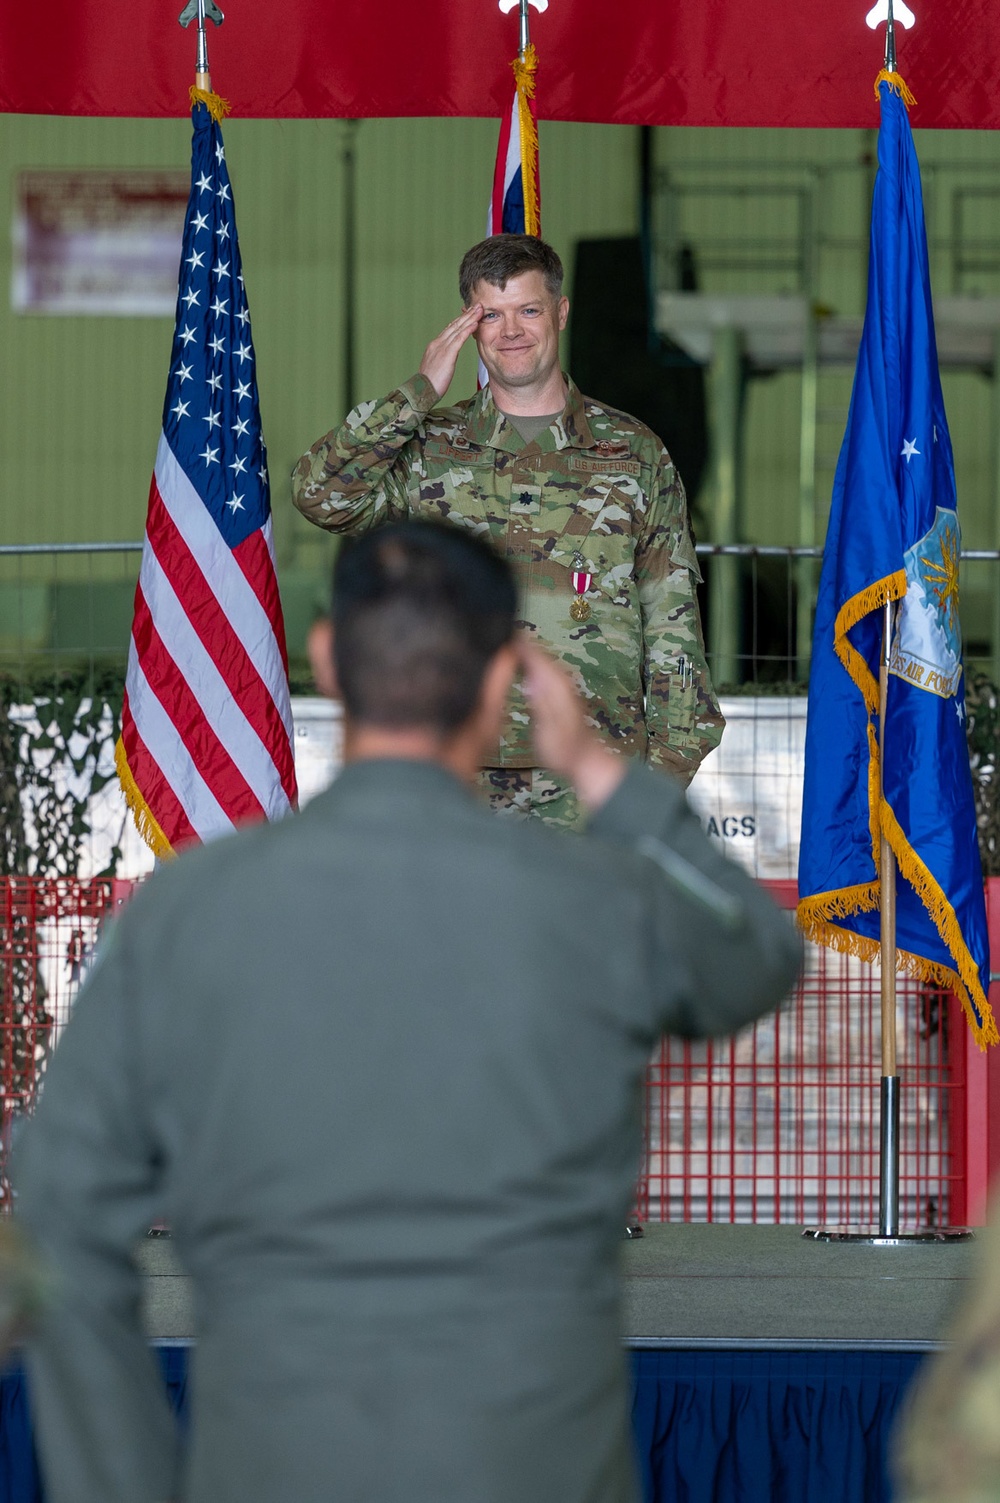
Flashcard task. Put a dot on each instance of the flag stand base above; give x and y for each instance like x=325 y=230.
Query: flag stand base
x=888 y=1233
x=872 y=1237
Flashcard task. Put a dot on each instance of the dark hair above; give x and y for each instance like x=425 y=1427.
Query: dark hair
x=419 y=609
x=501 y=257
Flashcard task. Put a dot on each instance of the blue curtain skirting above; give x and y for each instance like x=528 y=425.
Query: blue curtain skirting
x=19 y=1478
x=767 y=1426
x=710 y=1426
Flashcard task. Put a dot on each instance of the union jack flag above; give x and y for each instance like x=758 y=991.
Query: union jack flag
x=206 y=736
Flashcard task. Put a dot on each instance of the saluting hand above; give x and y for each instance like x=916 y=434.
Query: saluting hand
x=562 y=738
x=441 y=355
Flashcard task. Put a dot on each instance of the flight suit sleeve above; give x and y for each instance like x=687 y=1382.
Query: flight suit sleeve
x=356 y=477
x=720 y=951
x=683 y=719
x=87 y=1178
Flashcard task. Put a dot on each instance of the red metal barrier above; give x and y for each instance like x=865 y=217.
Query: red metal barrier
x=777 y=1124
x=780 y=1123
x=976 y=1117
x=48 y=929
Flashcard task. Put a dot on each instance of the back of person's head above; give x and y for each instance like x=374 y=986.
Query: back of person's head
x=419 y=610
x=501 y=257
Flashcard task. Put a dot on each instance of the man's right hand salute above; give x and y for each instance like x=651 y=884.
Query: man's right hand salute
x=441 y=355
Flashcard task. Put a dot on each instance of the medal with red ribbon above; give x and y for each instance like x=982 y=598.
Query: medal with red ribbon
x=580 y=609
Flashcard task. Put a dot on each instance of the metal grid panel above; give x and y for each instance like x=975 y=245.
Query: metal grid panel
x=48 y=928
x=780 y=1123
x=776 y=1124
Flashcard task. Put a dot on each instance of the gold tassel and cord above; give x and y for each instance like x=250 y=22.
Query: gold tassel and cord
x=897 y=84
x=217 y=107
x=525 y=70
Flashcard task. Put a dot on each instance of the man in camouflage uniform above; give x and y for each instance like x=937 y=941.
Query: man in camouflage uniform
x=583 y=500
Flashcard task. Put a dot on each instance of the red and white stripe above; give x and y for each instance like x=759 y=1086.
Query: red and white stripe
x=206 y=726
x=508 y=164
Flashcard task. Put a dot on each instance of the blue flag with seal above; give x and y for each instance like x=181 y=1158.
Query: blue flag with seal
x=893 y=536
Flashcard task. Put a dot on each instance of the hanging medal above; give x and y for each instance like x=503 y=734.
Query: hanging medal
x=580 y=609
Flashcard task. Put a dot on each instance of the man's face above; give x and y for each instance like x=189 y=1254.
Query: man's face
x=518 y=335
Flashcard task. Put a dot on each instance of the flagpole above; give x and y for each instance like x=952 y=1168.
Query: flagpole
x=202 y=77
x=890 y=41
x=524 y=35
x=887 y=1233
x=209 y=520
x=201 y=11
x=888 y=1213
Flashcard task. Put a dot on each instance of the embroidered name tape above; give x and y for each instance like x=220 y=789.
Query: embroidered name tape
x=599 y=466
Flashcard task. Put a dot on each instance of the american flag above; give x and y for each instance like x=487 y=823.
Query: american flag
x=206 y=737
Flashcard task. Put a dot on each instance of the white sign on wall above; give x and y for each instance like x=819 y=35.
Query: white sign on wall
x=98 y=242
x=747 y=795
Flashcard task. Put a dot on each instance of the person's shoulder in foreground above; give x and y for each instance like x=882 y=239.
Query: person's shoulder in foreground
x=947 y=1443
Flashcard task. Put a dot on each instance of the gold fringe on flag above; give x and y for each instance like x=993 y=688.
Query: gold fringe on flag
x=873 y=598
x=525 y=71
x=818 y=914
x=874 y=794
x=217 y=107
x=817 y=918
x=942 y=915
x=141 y=813
x=897 y=84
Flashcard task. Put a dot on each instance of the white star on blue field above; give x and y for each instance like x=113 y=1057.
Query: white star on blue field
x=211 y=415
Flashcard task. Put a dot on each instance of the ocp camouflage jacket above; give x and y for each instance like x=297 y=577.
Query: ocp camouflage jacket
x=595 y=493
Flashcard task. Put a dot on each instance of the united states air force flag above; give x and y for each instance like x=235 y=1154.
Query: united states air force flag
x=206 y=736
x=894 y=537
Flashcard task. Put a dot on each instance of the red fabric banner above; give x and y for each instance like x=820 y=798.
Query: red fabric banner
x=656 y=62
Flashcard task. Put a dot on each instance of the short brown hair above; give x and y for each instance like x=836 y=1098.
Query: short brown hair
x=501 y=257
x=419 y=609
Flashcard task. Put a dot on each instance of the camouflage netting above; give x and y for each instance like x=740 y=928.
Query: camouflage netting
x=23 y=1014
x=13 y=848
x=50 y=764
x=982 y=703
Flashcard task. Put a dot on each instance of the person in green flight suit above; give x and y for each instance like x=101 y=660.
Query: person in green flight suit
x=380 y=1066
x=582 y=499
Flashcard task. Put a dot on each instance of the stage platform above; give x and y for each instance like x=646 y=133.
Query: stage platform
x=765 y=1368
x=727 y=1286
x=768 y=1286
